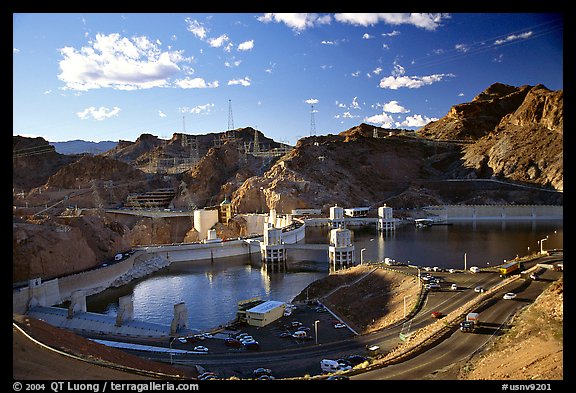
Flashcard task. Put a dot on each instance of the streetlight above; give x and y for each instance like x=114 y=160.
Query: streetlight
x=464 y=261
x=171 y=341
x=362 y=256
x=316 y=331
x=541 y=241
x=405 y=297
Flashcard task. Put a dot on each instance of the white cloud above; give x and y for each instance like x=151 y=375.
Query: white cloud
x=298 y=22
x=355 y=104
x=112 y=61
x=161 y=114
x=394 y=107
x=195 y=83
x=246 y=45
x=513 y=37
x=325 y=42
x=312 y=101
x=411 y=82
x=425 y=21
x=462 y=48
x=234 y=63
x=367 y=36
x=218 y=41
x=15 y=51
x=392 y=34
x=377 y=71
x=416 y=121
x=196 y=28
x=101 y=113
x=197 y=110
x=383 y=119
x=243 y=82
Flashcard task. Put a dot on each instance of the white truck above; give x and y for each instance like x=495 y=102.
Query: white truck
x=473 y=317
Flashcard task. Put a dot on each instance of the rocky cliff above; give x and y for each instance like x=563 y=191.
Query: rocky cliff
x=526 y=145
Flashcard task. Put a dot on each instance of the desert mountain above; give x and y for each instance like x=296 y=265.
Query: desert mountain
x=34 y=160
x=79 y=146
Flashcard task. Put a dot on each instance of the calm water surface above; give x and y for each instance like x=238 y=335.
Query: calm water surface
x=211 y=291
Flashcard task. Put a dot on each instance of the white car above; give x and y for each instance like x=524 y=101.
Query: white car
x=509 y=295
x=339 y=326
x=454 y=287
x=182 y=340
x=478 y=289
x=200 y=348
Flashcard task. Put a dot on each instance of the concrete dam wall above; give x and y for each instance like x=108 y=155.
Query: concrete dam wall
x=497 y=212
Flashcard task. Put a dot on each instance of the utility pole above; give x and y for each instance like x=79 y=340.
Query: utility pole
x=312 y=121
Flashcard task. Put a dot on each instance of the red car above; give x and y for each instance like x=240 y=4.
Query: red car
x=436 y=314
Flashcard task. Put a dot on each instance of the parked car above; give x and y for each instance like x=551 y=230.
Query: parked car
x=232 y=342
x=296 y=323
x=200 y=348
x=355 y=360
x=207 y=375
x=182 y=340
x=303 y=329
x=509 y=295
x=251 y=345
x=261 y=371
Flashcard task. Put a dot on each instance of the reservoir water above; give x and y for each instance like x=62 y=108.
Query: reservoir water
x=211 y=290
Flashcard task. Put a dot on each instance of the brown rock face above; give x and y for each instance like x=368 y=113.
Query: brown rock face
x=472 y=120
x=52 y=249
x=527 y=144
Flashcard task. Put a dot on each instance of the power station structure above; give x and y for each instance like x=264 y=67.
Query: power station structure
x=341 y=250
x=386 y=221
x=337 y=216
x=272 y=248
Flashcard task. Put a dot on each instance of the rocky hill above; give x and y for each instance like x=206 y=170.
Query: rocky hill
x=34 y=160
x=526 y=145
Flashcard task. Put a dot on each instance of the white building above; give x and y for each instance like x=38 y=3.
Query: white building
x=272 y=248
x=204 y=220
x=386 y=221
x=341 y=249
x=337 y=216
x=265 y=313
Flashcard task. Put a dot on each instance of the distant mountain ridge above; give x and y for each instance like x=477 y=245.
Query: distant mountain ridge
x=79 y=146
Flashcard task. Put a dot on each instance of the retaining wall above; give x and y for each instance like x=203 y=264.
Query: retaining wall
x=497 y=212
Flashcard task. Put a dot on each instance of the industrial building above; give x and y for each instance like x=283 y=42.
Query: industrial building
x=272 y=248
x=337 y=216
x=386 y=221
x=265 y=313
x=341 y=249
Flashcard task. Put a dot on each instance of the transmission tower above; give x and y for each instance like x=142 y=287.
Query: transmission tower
x=312 y=121
x=230 y=119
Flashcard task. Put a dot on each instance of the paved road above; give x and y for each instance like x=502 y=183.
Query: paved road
x=460 y=346
x=298 y=361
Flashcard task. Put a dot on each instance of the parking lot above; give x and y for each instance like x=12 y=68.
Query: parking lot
x=280 y=333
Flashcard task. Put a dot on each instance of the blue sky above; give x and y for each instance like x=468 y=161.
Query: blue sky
x=116 y=76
